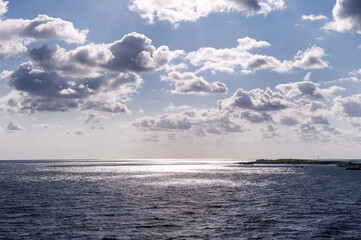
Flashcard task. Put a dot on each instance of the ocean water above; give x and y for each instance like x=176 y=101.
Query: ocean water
x=177 y=199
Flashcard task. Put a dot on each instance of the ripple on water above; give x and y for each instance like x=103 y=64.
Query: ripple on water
x=161 y=200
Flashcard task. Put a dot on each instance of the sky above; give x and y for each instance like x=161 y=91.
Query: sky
x=229 y=79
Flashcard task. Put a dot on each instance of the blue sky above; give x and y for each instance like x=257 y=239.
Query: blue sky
x=192 y=79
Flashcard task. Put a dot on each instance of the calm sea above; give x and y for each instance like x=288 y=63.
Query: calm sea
x=177 y=199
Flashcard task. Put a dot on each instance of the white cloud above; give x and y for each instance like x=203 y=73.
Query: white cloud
x=307 y=77
x=313 y=17
x=172 y=108
x=3 y=7
x=16 y=34
x=191 y=10
x=190 y=83
x=346 y=17
x=311 y=58
x=46 y=126
x=231 y=59
x=255 y=99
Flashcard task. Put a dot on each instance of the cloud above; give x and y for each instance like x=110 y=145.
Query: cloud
x=301 y=89
x=88 y=78
x=166 y=121
x=46 y=126
x=14 y=127
x=172 y=108
x=190 y=83
x=346 y=17
x=311 y=58
x=256 y=117
x=349 y=106
x=231 y=59
x=307 y=77
x=197 y=122
x=16 y=34
x=189 y=10
x=3 y=7
x=255 y=99
x=76 y=132
x=313 y=17
x=288 y=121
x=354 y=76
x=320 y=120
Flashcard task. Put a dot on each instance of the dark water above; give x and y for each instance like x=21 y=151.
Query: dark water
x=177 y=200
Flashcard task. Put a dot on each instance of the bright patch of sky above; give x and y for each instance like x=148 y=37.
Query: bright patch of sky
x=236 y=79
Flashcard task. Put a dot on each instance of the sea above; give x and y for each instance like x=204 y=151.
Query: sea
x=177 y=199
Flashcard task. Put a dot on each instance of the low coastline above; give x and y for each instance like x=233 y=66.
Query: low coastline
x=349 y=165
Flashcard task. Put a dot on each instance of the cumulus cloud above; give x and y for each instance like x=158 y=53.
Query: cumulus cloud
x=240 y=58
x=189 y=10
x=14 y=127
x=304 y=110
x=16 y=34
x=311 y=59
x=198 y=122
x=313 y=17
x=349 y=106
x=346 y=17
x=256 y=117
x=89 y=78
x=354 y=76
x=255 y=99
x=301 y=89
x=190 y=83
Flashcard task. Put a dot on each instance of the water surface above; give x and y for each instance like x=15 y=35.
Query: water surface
x=177 y=199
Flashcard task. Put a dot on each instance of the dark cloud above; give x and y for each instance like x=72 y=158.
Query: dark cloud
x=60 y=80
x=251 y=5
x=257 y=63
x=288 y=121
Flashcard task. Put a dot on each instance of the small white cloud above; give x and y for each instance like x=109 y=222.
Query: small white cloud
x=313 y=17
x=307 y=77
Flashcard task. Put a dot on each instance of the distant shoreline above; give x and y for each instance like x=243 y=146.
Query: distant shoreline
x=349 y=165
